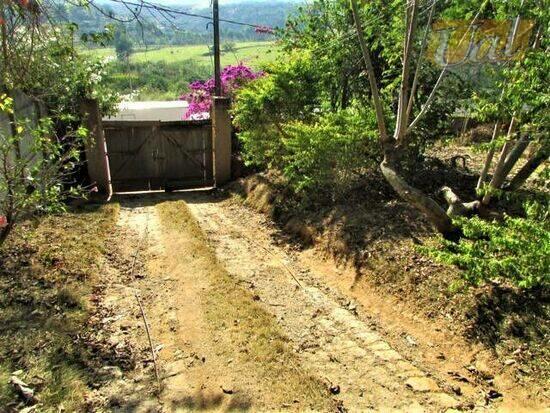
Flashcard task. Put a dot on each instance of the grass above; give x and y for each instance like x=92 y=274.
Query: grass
x=253 y=53
x=49 y=268
x=255 y=339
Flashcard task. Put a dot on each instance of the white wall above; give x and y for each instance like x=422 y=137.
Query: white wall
x=151 y=111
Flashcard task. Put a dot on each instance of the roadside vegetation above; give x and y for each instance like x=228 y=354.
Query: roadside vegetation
x=360 y=155
x=50 y=268
x=163 y=73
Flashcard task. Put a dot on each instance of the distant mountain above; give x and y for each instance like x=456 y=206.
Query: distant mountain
x=206 y=3
x=155 y=28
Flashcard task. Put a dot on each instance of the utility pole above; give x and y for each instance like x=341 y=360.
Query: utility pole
x=217 y=71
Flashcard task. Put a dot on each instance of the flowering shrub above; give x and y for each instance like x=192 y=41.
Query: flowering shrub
x=201 y=92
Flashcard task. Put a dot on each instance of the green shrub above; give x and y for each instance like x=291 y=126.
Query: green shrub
x=285 y=124
x=516 y=250
x=328 y=156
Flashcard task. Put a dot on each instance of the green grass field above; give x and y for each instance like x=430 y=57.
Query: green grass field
x=252 y=53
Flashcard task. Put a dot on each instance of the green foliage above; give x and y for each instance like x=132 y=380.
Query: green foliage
x=289 y=92
x=35 y=166
x=518 y=90
x=516 y=250
x=123 y=46
x=154 y=80
x=50 y=70
x=325 y=158
x=285 y=125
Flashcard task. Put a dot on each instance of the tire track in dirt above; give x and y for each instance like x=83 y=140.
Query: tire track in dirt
x=192 y=371
x=200 y=322
x=329 y=339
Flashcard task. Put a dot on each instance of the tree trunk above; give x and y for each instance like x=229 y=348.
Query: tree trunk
x=4 y=232
x=489 y=157
x=504 y=151
x=458 y=208
x=435 y=214
x=527 y=170
x=506 y=166
x=344 y=102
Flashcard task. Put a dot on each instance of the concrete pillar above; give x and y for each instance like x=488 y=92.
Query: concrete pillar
x=97 y=159
x=221 y=140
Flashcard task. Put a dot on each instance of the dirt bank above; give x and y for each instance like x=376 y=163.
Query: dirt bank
x=427 y=331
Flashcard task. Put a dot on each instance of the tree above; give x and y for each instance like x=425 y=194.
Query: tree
x=123 y=47
x=38 y=179
x=394 y=142
x=40 y=152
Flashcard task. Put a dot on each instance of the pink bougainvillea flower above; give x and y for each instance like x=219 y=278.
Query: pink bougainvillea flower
x=201 y=92
x=3 y=221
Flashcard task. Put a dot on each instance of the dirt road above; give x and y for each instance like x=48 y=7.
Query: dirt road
x=253 y=326
x=323 y=326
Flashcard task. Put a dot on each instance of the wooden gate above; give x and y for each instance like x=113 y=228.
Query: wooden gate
x=145 y=155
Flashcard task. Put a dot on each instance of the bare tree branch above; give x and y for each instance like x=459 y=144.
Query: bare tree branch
x=372 y=76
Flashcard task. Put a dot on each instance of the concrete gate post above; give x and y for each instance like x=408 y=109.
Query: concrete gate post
x=221 y=139
x=96 y=149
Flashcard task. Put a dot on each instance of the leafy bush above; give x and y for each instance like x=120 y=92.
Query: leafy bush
x=50 y=70
x=516 y=250
x=289 y=92
x=286 y=124
x=325 y=158
x=35 y=170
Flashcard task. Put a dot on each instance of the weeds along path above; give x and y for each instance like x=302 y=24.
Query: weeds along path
x=345 y=351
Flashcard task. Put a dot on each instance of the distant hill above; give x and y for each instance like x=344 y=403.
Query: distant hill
x=155 y=28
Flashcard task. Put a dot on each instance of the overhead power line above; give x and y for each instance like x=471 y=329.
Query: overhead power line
x=170 y=10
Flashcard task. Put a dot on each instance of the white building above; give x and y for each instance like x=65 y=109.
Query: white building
x=165 y=111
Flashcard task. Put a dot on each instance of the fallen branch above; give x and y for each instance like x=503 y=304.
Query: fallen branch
x=157 y=375
x=132 y=269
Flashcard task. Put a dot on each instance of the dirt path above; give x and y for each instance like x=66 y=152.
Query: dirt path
x=255 y=325
x=326 y=331
x=217 y=350
x=193 y=373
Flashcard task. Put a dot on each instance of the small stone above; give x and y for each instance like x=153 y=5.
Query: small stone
x=509 y=362
x=456 y=390
x=483 y=370
x=493 y=394
x=227 y=390
x=422 y=384
x=411 y=341
x=445 y=400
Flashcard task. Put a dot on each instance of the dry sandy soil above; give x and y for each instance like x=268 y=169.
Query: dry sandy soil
x=240 y=320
